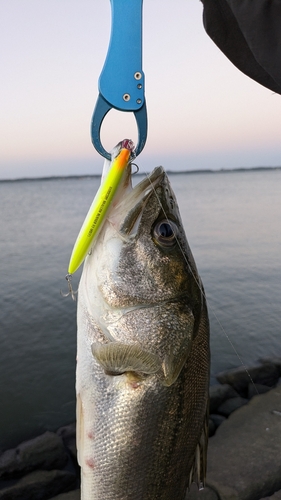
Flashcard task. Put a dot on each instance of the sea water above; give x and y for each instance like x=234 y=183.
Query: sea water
x=232 y=223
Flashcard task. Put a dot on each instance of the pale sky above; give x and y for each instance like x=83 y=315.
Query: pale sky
x=203 y=112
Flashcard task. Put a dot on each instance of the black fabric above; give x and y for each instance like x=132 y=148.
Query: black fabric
x=248 y=32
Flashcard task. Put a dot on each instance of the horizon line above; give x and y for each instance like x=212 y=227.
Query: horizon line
x=169 y=172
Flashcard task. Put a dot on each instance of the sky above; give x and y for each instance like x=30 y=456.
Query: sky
x=203 y=112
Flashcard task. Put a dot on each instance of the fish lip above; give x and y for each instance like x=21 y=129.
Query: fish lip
x=138 y=198
x=151 y=180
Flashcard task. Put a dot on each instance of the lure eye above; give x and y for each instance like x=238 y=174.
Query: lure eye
x=165 y=233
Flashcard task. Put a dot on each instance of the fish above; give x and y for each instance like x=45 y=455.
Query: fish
x=143 y=358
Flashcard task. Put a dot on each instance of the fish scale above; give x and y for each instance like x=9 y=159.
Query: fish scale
x=143 y=353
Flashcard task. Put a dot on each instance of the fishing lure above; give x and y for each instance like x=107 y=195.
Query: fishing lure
x=102 y=201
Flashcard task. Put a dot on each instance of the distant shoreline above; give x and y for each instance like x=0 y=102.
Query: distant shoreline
x=169 y=172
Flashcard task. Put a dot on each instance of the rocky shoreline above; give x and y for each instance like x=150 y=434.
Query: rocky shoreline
x=244 y=458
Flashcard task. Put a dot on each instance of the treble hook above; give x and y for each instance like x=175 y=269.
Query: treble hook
x=70 y=289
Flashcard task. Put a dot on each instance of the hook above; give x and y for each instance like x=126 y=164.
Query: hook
x=137 y=168
x=70 y=289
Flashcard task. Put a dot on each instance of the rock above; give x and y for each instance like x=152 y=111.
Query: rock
x=230 y=405
x=218 y=394
x=212 y=428
x=39 y=485
x=255 y=390
x=244 y=460
x=205 y=494
x=276 y=496
x=68 y=435
x=276 y=360
x=217 y=419
x=239 y=378
x=43 y=452
x=72 y=495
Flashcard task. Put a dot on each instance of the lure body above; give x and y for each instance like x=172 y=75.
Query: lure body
x=102 y=201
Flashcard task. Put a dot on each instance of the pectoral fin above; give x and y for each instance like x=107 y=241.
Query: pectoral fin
x=117 y=358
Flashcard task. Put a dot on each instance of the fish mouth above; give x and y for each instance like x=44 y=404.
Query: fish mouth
x=135 y=201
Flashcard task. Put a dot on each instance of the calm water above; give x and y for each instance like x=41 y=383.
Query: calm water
x=232 y=222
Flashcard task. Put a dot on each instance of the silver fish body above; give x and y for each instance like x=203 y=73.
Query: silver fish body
x=143 y=353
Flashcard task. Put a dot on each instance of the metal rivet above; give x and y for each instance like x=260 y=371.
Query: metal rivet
x=126 y=97
x=139 y=86
x=139 y=101
x=137 y=75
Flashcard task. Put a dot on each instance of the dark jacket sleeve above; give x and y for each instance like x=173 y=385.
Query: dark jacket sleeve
x=249 y=34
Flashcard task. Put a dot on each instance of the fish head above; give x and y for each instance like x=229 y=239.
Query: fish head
x=143 y=256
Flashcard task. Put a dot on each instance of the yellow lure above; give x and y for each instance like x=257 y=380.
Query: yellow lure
x=98 y=209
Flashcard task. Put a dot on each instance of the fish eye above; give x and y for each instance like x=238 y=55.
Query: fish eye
x=165 y=232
